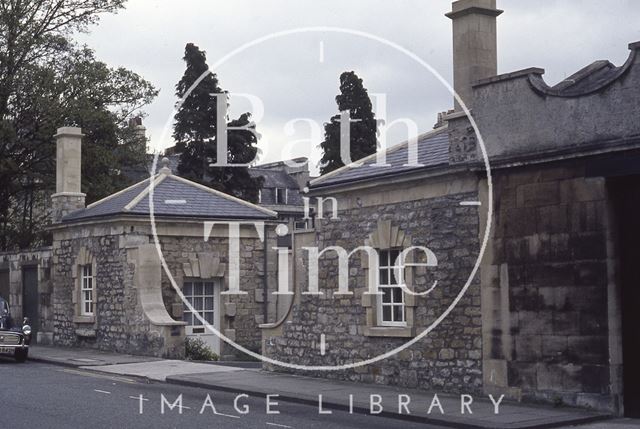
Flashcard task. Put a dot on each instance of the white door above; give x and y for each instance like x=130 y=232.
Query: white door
x=204 y=296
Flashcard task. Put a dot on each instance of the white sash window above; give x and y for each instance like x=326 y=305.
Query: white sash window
x=391 y=305
x=86 y=291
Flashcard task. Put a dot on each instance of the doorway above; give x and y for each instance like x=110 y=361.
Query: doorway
x=626 y=199
x=30 y=301
x=4 y=285
x=204 y=296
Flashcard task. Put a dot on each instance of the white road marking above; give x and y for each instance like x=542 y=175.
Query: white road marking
x=141 y=400
x=138 y=398
x=323 y=345
x=280 y=426
x=321 y=58
x=102 y=391
x=470 y=203
x=175 y=202
x=225 y=415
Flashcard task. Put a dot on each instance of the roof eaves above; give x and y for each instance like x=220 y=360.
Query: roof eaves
x=367 y=179
x=121 y=216
x=405 y=176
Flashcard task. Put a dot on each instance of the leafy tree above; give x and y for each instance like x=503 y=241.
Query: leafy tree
x=46 y=82
x=363 y=128
x=110 y=145
x=195 y=133
x=34 y=31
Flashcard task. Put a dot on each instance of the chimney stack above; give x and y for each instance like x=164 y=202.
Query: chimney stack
x=475 y=54
x=68 y=196
x=139 y=130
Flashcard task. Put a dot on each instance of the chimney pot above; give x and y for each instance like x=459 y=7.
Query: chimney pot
x=139 y=130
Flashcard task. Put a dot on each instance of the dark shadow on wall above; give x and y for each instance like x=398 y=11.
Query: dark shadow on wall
x=626 y=199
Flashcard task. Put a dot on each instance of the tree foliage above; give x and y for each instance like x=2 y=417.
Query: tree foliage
x=363 y=128
x=195 y=133
x=47 y=81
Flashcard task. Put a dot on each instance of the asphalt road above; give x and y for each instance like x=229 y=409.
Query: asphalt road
x=38 y=395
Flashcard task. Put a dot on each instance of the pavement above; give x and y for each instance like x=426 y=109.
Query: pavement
x=621 y=423
x=338 y=395
x=160 y=370
x=76 y=357
x=326 y=395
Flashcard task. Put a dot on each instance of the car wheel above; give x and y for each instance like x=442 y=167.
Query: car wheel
x=21 y=355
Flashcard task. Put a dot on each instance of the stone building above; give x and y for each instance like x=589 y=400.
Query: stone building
x=110 y=288
x=550 y=313
x=25 y=282
x=282 y=186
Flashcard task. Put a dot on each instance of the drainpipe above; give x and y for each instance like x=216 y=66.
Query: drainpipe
x=265 y=285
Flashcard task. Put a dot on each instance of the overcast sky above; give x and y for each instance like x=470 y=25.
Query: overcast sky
x=294 y=79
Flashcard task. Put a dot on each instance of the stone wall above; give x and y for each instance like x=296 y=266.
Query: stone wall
x=126 y=285
x=240 y=325
x=119 y=323
x=517 y=113
x=545 y=288
x=12 y=286
x=448 y=358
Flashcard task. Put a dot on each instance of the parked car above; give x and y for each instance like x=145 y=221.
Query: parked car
x=14 y=340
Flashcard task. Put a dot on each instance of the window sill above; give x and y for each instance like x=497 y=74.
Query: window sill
x=86 y=333
x=389 y=331
x=84 y=319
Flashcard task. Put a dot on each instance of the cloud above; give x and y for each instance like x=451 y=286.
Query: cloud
x=149 y=37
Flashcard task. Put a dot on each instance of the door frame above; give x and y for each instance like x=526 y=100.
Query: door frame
x=216 y=344
x=34 y=322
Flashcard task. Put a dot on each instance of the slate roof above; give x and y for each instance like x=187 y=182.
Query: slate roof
x=173 y=196
x=588 y=79
x=433 y=151
x=274 y=178
x=274 y=175
x=277 y=179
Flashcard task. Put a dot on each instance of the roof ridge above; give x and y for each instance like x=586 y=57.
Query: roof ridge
x=273 y=164
x=224 y=195
x=115 y=194
x=159 y=178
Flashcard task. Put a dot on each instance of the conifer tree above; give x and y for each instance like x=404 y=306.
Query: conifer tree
x=363 y=128
x=195 y=133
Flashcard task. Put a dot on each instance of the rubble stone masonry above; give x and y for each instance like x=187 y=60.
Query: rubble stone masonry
x=447 y=359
